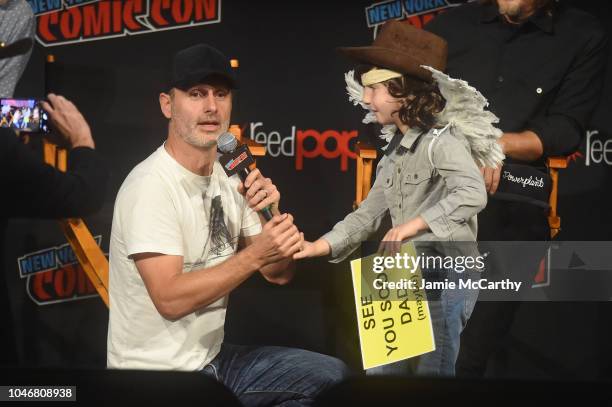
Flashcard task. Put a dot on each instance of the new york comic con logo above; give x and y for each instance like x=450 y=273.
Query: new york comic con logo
x=68 y=21
x=416 y=12
x=54 y=275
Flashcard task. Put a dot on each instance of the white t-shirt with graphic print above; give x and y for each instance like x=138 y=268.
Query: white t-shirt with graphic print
x=164 y=208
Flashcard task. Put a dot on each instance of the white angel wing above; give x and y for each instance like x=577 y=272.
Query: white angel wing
x=353 y=88
x=355 y=93
x=466 y=111
x=387 y=132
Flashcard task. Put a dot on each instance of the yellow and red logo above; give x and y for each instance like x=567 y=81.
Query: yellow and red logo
x=62 y=22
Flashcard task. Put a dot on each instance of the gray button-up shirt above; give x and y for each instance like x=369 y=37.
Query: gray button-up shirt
x=447 y=194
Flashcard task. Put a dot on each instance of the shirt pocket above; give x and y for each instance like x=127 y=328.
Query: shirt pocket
x=534 y=92
x=417 y=177
x=538 y=86
x=416 y=185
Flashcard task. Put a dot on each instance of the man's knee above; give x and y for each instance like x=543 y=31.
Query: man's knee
x=326 y=370
x=335 y=370
x=318 y=370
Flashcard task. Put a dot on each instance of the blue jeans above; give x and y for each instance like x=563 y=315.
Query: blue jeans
x=450 y=311
x=275 y=376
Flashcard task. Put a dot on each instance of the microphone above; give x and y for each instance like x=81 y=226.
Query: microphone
x=236 y=159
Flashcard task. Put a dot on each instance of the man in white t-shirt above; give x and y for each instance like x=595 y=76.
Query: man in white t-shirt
x=184 y=235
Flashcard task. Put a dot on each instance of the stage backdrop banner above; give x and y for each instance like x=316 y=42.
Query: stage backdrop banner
x=112 y=60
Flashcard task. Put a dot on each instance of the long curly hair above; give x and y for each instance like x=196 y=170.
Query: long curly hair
x=420 y=101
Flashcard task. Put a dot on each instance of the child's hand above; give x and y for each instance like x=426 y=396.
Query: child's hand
x=392 y=241
x=312 y=249
x=491 y=178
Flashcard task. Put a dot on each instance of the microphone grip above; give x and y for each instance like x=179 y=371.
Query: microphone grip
x=265 y=212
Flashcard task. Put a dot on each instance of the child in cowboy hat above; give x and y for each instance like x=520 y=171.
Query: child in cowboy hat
x=428 y=179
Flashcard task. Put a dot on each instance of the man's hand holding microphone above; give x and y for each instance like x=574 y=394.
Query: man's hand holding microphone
x=280 y=239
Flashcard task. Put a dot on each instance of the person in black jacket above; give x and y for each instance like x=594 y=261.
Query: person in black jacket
x=78 y=192
x=540 y=64
x=75 y=193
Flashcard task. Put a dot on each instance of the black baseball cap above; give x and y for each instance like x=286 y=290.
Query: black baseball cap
x=193 y=65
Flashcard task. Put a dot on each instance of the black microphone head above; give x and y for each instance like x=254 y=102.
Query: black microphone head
x=226 y=143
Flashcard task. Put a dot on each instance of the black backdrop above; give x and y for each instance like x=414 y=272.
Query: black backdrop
x=291 y=78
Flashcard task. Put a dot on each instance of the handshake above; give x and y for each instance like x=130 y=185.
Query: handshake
x=280 y=239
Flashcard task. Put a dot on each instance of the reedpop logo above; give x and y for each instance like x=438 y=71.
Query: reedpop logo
x=597 y=150
x=310 y=143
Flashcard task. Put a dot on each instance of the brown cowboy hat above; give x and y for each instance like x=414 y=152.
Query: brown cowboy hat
x=403 y=48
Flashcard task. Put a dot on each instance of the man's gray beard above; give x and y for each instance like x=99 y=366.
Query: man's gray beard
x=190 y=138
x=196 y=142
x=206 y=145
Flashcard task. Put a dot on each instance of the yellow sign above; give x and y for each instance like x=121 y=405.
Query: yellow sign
x=392 y=310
